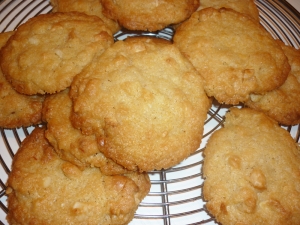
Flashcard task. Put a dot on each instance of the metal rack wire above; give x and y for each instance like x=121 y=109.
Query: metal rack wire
x=176 y=194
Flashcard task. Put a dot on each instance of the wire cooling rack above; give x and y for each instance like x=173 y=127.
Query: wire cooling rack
x=176 y=194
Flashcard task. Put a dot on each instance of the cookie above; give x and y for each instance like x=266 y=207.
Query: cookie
x=90 y=7
x=243 y=6
x=282 y=104
x=252 y=171
x=235 y=61
x=47 y=51
x=44 y=189
x=17 y=110
x=145 y=103
x=148 y=15
x=69 y=142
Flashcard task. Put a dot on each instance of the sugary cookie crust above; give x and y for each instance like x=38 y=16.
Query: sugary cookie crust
x=17 y=110
x=252 y=171
x=144 y=102
x=243 y=6
x=148 y=15
x=235 y=61
x=43 y=189
x=70 y=144
x=48 y=50
x=90 y=7
x=283 y=103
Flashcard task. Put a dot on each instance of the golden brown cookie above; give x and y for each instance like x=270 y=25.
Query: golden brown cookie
x=17 y=110
x=282 y=104
x=234 y=60
x=148 y=15
x=144 y=102
x=44 y=189
x=47 y=51
x=243 y=6
x=70 y=144
x=90 y=7
x=252 y=171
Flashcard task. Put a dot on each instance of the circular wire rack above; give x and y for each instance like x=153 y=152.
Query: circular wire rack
x=175 y=196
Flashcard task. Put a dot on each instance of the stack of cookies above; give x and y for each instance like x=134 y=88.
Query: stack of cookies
x=107 y=112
